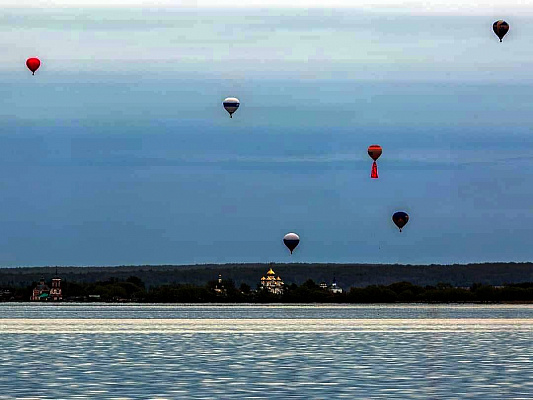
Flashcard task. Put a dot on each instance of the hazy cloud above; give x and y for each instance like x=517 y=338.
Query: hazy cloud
x=487 y=7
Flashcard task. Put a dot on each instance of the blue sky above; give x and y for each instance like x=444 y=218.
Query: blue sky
x=118 y=150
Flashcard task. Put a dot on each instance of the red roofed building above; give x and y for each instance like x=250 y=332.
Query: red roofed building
x=42 y=292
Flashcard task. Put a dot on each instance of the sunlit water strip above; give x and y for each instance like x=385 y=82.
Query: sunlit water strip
x=268 y=311
x=151 y=326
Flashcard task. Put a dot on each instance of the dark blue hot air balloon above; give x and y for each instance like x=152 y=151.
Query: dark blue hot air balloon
x=400 y=218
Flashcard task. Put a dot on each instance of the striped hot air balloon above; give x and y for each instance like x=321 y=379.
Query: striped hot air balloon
x=500 y=28
x=231 y=104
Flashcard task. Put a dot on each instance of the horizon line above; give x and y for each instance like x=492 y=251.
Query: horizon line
x=269 y=263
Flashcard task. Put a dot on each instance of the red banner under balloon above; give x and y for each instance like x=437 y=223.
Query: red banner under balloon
x=374 y=173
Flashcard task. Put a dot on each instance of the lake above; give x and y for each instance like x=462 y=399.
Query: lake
x=97 y=351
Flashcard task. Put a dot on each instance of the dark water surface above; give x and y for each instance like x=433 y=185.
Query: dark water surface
x=74 y=351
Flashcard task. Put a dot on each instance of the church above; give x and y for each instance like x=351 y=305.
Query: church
x=274 y=284
x=334 y=288
x=42 y=292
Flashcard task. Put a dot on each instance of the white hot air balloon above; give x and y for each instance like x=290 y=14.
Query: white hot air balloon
x=291 y=240
x=231 y=104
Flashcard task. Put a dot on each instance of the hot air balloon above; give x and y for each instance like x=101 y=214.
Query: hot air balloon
x=231 y=104
x=500 y=28
x=291 y=240
x=374 y=152
x=400 y=218
x=33 y=64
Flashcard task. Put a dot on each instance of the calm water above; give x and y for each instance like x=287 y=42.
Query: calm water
x=256 y=352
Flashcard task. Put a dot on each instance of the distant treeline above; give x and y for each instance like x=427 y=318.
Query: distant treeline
x=133 y=289
x=347 y=275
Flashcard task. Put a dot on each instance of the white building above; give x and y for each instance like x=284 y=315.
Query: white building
x=334 y=288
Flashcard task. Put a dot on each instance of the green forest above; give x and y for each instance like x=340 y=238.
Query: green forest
x=346 y=275
x=133 y=289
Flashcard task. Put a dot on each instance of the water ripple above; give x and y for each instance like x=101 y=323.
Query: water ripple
x=266 y=358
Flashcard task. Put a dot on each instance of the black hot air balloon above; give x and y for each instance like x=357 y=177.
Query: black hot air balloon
x=400 y=218
x=500 y=28
x=291 y=240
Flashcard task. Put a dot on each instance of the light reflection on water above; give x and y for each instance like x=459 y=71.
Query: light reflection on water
x=252 y=311
x=464 y=354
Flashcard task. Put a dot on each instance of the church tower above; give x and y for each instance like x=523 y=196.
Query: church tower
x=55 y=291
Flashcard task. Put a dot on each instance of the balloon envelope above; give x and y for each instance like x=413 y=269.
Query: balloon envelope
x=231 y=104
x=400 y=218
x=33 y=64
x=374 y=151
x=500 y=28
x=291 y=240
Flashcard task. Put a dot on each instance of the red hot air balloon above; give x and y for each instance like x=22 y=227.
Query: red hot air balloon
x=400 y=218
x=33 y=64
x=374 y=152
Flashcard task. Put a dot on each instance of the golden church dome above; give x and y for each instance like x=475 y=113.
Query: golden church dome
x=270 y=272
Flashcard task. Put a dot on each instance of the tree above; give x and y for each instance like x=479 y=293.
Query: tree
x=245 y=288
x=136 y=281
